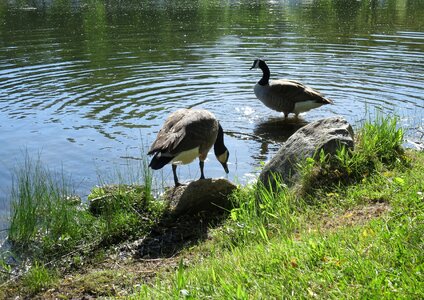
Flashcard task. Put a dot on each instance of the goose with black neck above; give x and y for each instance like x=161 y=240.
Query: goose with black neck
x=286 y=96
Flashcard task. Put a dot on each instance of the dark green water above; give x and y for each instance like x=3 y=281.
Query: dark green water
x=88 y=83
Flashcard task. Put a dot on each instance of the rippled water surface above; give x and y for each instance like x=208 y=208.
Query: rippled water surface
x=87 y=84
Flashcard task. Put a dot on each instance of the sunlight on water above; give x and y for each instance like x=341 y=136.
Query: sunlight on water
x=89 y=84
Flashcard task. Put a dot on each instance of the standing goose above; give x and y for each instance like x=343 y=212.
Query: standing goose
x=287 y=96
x=186 y=135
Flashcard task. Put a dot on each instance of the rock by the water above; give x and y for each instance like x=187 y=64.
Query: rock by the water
x=325 y=134
x=200 y=195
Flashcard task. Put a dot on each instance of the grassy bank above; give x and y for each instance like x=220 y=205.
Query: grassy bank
x=53 y=231
x=353 y=229
x=361 y=242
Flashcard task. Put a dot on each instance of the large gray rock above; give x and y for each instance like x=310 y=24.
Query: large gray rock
x=201 y=195
x=326 y=134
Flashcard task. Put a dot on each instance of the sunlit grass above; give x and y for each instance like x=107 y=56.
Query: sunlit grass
x=355 y=235
x=381 y=140
x=378 y=144
x=360 y=262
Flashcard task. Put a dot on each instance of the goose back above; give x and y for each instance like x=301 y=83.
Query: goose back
x=185 y=130
x=285 y=95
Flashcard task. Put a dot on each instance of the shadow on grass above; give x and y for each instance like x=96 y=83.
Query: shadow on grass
x=174 y=233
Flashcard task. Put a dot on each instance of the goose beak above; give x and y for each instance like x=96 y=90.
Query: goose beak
x=224 y=165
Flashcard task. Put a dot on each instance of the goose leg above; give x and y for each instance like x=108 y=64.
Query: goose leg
x=201 y=164
x=174 y=171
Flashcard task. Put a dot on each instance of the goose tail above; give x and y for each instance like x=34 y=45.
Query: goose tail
x=158 y=161
x=326 y=101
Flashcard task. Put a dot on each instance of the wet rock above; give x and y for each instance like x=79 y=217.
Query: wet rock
x=325 y=134
x=201 y=195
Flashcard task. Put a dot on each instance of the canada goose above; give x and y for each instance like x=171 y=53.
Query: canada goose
x=287 y=96
x=186 y=135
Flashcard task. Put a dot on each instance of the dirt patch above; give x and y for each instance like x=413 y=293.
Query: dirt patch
x=356 y=216
x=112 y=278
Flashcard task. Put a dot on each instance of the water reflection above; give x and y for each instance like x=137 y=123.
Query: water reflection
x=273 y=132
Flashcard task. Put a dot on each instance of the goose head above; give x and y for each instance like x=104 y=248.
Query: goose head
x=221 y=152
x=258 y=63
x=261 y=64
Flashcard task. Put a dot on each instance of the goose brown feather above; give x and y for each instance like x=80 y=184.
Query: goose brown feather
x=188 y=134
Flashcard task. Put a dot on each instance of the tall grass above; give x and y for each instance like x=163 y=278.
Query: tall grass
x=126 y=208
x=260 y=214
x=381 y=139
x=378 y=144
x=45 y=215
x=48 y=220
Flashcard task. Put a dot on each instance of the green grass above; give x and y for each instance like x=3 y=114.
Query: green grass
x=354 y=231
x=46 y=217
x=124 y=211
x=359 y=234
x=361 y=262
x=49 y=223
x=38 y=278
x=47 y=220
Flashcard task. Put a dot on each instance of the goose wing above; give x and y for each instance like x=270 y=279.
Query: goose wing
x=184 y=130
x=171 y=133
x=200 y=132
x=293 y=91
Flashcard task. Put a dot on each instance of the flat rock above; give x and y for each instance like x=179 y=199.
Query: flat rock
x=325 y=134
x=201 y=195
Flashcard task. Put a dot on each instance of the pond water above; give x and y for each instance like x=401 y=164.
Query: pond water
x=86 y=84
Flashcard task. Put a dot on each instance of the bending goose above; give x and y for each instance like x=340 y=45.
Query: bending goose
x=287 y=96
x=186 y=135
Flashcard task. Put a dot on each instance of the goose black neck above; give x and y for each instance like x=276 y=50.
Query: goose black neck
x=219 y=147
x=265 y=73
